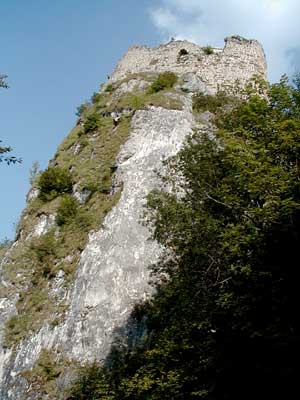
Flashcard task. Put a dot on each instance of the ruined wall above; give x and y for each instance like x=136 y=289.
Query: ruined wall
x=239 y=60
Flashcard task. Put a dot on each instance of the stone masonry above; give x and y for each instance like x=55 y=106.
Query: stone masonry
x=239 y=60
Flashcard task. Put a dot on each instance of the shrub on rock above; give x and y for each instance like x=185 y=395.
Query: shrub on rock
x=165 y=80
x=54 y=181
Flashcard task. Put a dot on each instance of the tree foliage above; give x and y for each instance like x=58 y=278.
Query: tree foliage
x=3 y=83
x=4 y=150
x=224 y=324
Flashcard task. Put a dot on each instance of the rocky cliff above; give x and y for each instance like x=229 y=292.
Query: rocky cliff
x=80 y=259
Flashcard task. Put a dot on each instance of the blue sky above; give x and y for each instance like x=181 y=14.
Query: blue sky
x=56 y=53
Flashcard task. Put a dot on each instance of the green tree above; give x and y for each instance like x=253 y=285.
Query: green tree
x=230 y=308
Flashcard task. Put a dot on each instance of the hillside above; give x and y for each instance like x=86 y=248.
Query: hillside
x=80 y=261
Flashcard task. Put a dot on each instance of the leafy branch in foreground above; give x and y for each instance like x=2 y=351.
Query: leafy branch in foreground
x=7 y=158
x=3 y=83
x=4 y=149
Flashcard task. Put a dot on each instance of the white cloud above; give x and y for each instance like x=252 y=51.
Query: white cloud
x=275 y=23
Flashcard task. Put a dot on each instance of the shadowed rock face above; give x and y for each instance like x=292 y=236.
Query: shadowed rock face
x=112 y=274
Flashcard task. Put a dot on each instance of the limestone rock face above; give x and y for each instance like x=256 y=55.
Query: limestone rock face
x=192 y=83
x=127 y=87
x=44 y=224
x=112 y=273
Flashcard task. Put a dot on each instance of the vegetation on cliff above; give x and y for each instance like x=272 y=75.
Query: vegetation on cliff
x=70 y=199
x=224 y=322
x=165 y=80
x=85 y=159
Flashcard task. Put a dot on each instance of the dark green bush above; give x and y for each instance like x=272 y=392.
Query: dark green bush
x=82 y=108
x=83 y=220
x=92 y=123
x=96 y=97
x=92 y=380
x=44 y=247
x=206 y=102
x=165 y=80
x=46 y=368
x=43 y=252
x=109 y=88
x=67 y=210
x=54 y=181
x=208 y=50
x=69 y=213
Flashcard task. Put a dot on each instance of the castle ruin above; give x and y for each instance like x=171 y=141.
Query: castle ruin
x=239 y=60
